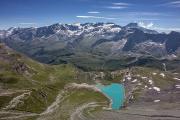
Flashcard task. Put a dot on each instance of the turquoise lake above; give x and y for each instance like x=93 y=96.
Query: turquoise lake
x=115 y=92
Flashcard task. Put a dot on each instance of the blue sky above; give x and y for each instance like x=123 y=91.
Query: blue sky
x=162 y=15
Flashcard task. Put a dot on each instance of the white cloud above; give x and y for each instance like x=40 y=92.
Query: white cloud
x=166 y=29
x=116 y=7
x=160 y=29
x=110 y=18
x=146 y=13
x=93 y=12
x=97 y=17
x=146 y=25
x=175 y=4
x=27 y=23
x=121 y=4
x=148 y=19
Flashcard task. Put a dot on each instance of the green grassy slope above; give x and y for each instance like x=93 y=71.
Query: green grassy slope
x=32 y=87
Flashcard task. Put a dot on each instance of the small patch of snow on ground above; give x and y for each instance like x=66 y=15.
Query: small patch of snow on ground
x=150 y=88
x=143 y=77
x=128 y=78
x=139 y=83
x=154 y=73
x=177 y=86
x=138 y=75
x=135 y=80
x=162 y=74
x=132 y=97
x=176 y=78
x=150 y=82
x=174 y=56
x=157 y=89
x=175 y=73
x=156 y=101
x=146 y=86
x=105 y=108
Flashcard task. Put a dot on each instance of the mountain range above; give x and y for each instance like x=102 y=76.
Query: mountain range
x=95 y=46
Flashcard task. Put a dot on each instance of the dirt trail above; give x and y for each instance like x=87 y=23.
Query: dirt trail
x=16 y=115
x=17 y=100
x=78 y=113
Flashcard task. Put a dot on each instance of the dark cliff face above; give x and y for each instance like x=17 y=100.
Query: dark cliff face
x=135 y=38
x=173 y=42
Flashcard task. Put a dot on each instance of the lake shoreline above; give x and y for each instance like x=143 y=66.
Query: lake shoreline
x=111 y=92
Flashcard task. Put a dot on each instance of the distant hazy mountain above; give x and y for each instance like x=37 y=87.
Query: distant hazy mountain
x=96 y=43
